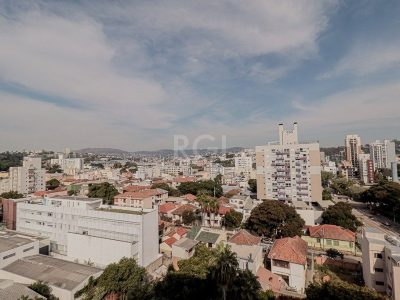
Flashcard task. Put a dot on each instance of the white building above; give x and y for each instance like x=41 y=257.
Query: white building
x=366 y=168
x=330 y=167
x=29 y=178
x=70 y=166
x=383 y=154
x=352 y=149
x=381 y=262
x=243 y=165
x=83 y=230
x=289 y=170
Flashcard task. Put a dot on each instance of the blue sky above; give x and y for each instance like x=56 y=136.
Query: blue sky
x=132 y=74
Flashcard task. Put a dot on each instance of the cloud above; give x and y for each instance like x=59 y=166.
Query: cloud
x=367 y=58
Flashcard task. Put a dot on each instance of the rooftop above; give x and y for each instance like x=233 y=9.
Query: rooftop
x=288 y=249
x=122 y=211
x=332 y=232
x=10 y=290
x=243 y=237
x=76 y=198
x=60 y=273
x=186 y=243
x=12 y=239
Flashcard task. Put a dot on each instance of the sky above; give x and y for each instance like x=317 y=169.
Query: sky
x=134 y=74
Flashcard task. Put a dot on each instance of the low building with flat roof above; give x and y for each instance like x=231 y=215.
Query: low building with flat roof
x=64 y=277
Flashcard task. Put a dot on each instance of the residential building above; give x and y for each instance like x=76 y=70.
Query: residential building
x=10 y=212
x=65 y=278
x=243 y=165
x=149 y=198
x=289 y=260
x=328 y=236
x=70 y=166
x=289 y=170
x=28 y=178
x=184 y=248
x=383 y=153
x=211 y=237
x=366 y=168
x=381 y=262
x=84 y=230
x=352 y=149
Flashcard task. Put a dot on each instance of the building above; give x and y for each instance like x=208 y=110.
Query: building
x=28 y=178
x=289 y=260
x=383 y=154
x=64 y=278
x=15 y=245
x=10 y=290
x=84 y=230
x=243 y=165
x=184 y=248
x=149 y=198
x=10 y=212
x=289 y=170
x=70 y=166
x=381 y=262
x=366 y=168
x=352 y=149
x=328 y=236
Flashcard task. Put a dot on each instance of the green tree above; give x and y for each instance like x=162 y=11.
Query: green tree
x=341 y=186
x=326 y=178
x=274 y=219
x=43 y=289
x=125 y=279
x=199 y=264
x=188 y=217
x=340 y=290
x=208 y=204
x=209 y=187
x=334 y=253
x=54 y=169
x=326 y=194
x=340 y=214
x=224 y=272
x=52 y=184
x=232 y=219
x=253 y=185
x=11 y=195
x=245 y=286
x=103 y=190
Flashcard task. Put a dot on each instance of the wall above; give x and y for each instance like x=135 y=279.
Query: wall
x=19 y=253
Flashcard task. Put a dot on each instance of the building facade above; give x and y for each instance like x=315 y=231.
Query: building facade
x=29 y=178
x=383 y=154
x=366 y=168
x=289 y=170
x=352 y=149
x=84 y=230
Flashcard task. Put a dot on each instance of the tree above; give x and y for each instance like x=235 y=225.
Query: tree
x=224 y=272
x=246 y=286
x=275 y=219
x=208 y=204
x=232 y=219
x=117 y=165
x=52 y=184
x=171 y=191
x=11 y=195
x=10 y=159
x=340 y=290
x=103 y=190
x=341 y=186
x=43 y=289
x=209 y=187
x=326 y=194
x=188 y=217
x=333 y=253
x=340 y=214
x=326 y=178
x=124 y=279
x=253 y=185
x=54 y=169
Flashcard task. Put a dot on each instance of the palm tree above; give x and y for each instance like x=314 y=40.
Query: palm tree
x=225 y=270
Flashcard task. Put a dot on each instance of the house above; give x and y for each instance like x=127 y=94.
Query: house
x=249 y=257
x=208 y=236
x=166 y=209
x=271 y=281
x=166 y=246
x=178 y=180
x=244 y=238
x=141 y=199
x=214 y=218
x=289 y=260
x=330 y=236
x=184 y=248
x=177 y=213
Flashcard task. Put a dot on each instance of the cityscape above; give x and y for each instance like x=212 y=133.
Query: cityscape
x=199 y=150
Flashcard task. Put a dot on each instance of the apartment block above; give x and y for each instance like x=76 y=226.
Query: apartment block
x=70 y=166
x=352 y=149
x=29 y=178
x=381 y=262
x=383 y=154
x=288 y=170
x=366 y=168
x=85 y=231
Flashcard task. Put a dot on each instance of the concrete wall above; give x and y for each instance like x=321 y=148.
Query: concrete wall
x=20 y=252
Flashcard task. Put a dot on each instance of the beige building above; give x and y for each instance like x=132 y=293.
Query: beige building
x=352 y=149
x=381 y=262
x=289 y=170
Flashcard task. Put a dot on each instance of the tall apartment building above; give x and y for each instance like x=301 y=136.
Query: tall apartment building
x=28 y=178
x=352 y=149
x=289 y=170
x=381 y=262
x=70 y=166
x=366 y=168
x=243 y=165
x=383 y=153
x=85 y=231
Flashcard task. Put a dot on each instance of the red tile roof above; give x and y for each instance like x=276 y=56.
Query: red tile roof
x=141 y=194
x=179 y=231
x=170 y=241
x=269 y=280
x=179 y=211
x=243 y=237
x=289 y=249
x=332 y=232
x=184 y=179
x=222 y=210
x=166 y=207
x=135 y=188
x=190 y=197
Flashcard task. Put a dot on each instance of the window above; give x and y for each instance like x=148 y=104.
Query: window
x=280 y=263
x=9 y=255
x=335 y=243
x=28 y=249
x=329 y=242
x=380 y=270
x=379 y=283
x=318 y=240
x=351 y=244
x=378 y=255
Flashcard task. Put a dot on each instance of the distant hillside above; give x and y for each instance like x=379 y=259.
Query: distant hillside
x=170 y=152
x=102 y=151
